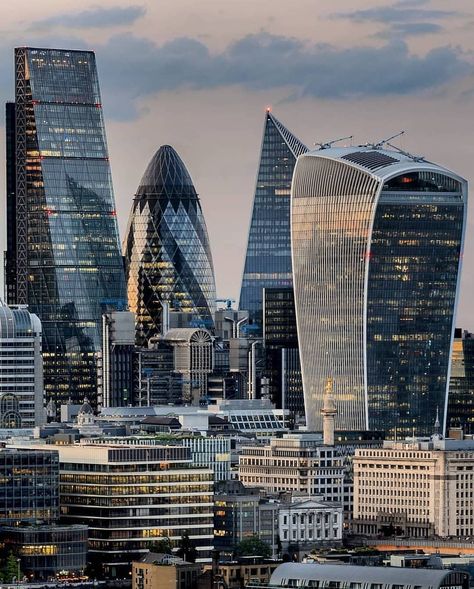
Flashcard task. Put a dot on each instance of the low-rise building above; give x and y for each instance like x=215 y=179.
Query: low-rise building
x=416 y=487
x=342 y=576
x=247 y=570
x=306 y=523
x=48 y=551
x=163 y=571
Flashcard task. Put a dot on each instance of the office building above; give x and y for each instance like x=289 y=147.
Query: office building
x=166 y=248
x=63 y=256
x=241 y=513
x=29 y=513
x=339 y=576
x=281 y=355
x=21 y=369
x=132 y=496
x=294 y=463
x=415 y=488
x=268 y=258
x=156 y=381
x=461 y=383
x=377 y=241
x=193 y=355
x=48 y=551
x=115 y=380
x=29 y=493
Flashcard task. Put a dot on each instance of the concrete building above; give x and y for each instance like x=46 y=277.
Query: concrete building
x=294 y=463
x=417 y=488
x=115 y=370
x=163 y=571
x=361 y=577
x=21 y=369
x=305 y=523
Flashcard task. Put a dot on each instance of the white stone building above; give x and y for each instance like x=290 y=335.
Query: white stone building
x=418 y=488
x=308 y=522
x=294 y=463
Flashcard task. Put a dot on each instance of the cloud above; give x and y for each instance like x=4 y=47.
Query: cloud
x=132 y=68
x=98 y=17
x=409 y=29
x=403 y=18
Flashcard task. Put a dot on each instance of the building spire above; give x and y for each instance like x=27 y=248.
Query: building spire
x=436 y=423
x=328 y=412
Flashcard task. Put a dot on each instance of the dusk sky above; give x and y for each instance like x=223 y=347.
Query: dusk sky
x=198 y=75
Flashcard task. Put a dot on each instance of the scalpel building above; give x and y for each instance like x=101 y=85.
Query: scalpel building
x=268 y=258
x=377 y=240
x=63 y=254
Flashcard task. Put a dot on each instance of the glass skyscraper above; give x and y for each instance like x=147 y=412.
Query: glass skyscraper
x=166 y=248
x=377 y=238
x=63 y=257
x=268 y=259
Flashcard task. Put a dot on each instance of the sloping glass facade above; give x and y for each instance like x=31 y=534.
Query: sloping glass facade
x=167 y=253
x=68 y=264
x=376 y=256
x=268 y=259
x=412 y=282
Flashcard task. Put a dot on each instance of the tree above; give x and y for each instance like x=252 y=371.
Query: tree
x=12 y=569
x=186 y=548
x=162 y=546
x=253 y=547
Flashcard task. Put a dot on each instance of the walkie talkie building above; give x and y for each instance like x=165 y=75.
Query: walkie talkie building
x=63 y=256
x=377 y=241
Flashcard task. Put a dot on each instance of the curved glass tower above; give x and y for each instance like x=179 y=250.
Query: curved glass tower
x=167 y=253
x=376 y=239
x=268 y=259
x=63 y=256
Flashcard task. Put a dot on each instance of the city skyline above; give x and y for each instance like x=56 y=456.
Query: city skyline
x=431 y=96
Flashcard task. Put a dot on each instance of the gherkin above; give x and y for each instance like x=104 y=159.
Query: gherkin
x=167 y=253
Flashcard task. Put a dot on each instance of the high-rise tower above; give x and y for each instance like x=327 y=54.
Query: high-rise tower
x=166 y=248
x=63 y=257
x=377 y=238
x=268 y=259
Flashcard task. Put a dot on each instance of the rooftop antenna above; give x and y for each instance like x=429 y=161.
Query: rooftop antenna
x=415 y=158
x=329 y=144
x=384 y=141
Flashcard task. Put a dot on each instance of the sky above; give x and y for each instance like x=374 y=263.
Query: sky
x=198 y=75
